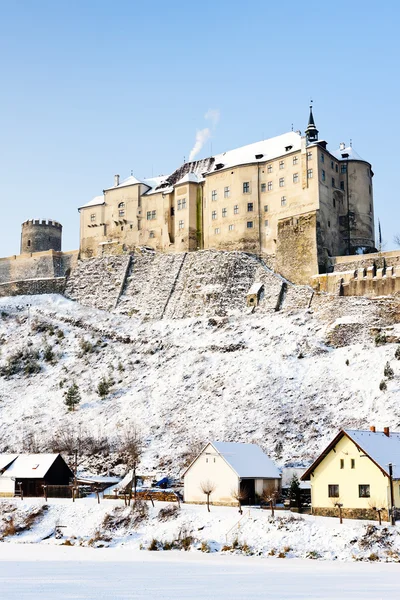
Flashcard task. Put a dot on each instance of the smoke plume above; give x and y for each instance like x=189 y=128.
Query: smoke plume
x=202 y=135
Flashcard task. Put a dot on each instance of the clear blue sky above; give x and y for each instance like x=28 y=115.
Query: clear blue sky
x=91 y=88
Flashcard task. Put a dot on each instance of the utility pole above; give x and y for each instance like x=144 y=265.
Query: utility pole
x=75 y=470
x=392 y=508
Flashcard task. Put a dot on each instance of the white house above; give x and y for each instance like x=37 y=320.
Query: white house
x=229 y=468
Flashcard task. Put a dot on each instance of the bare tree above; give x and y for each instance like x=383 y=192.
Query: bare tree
x=240 y=494
x=396 y=239
x=132 y=450
x=336 y=502
x=378 y=506
x=207 y=487
x=270 y=495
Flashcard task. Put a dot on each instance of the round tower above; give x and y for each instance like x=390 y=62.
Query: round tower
x=39 y=235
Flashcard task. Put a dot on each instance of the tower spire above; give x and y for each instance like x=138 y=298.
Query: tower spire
x=311 y=131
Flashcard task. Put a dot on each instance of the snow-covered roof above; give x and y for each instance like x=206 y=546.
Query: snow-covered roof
x=255 y=288
x=347 y=154
x=259 y=151
x=28 y=466
x=6 y=460
x=247 y=460
x=94 y=202
x=190 y=178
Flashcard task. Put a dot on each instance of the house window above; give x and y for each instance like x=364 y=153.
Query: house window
x=224 y=212
x=333 y=182
x=151 y=215
x=269 y=186
x=309 y=155
x=342 y=463
x=214 y=195
x=250 y=207
x=295 y=177
x=216 y=231
x=282 y=182
x=214 y=215
x=281 y=164
x=322 y=158
x=333 y=491
x=92 y=218
x=227 y=191
x=236 y=209
x=266 y=208
x=343 y=168
x=342 y=185
x=263 y=187
x=249 y=224
x=364 y=491
x=353 y=463
x=269 y=169
x=266 y=224
x=246 y=187
x=231 y=227
x=295 y=160
x=309 y=174
x=283 y=201
x=152 y=234
x=121 y=213
x=181 y=224
x=323 y=175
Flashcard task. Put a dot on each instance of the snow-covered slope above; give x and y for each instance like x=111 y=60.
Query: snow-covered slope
x=285 y=380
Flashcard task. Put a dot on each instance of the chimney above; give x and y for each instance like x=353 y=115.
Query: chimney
x=342 y=145
x=116 y=180
x=386 y=431
x=372 y=428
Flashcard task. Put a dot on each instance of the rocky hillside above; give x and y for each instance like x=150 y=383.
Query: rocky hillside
x=287 y=380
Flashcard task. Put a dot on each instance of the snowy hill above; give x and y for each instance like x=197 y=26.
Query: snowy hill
x=285 y=380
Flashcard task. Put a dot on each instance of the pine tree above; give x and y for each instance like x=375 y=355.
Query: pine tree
x=103 y=388
x=72 y=397
x=294 y=490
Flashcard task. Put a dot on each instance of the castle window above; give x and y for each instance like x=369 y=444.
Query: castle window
x=364 y=491
x=29 y=243
x=332 y=166
x=309 y=155
x=92 y=217
x=246 y=187
x=130 y=226
x=295 y=160
x=250 y=207
x=333 y=491
x=121 y=205
x=263 y=187
x=309 y=174
x=139 y=224
x=323 y=175
x=266 y=223
x=336 y=168
x=295 y=177
x=266 y=208
x=183 y=202
x=152 y=234
x=214 y=215
x=353 y=463
x=329 y=223
x=342 y=185
x=216 y=230
x=151 y=215
x=231 y=227
x=224 y=212
x=179 y=206
x=214 y=195
x=281 y=164
x=333 y=182
x=269 y=169
x=121 y=213
x=250 y=224
x=369 y=190
x=181 y=224
x=122 y=228
x=334 y=203
x=227 y=191
x=322 y=158
x=342 y=463
x=236 y=209
x=269 y=186
x=283 y=201
x=343 y=168
x=282 y=182
x=172 y=211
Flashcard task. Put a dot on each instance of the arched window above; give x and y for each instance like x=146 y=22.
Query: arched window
x=121 y=205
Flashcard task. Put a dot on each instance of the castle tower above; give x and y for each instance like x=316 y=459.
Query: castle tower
x=311 y=131
x=40 y=235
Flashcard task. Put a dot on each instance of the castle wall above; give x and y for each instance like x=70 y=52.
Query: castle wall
x=40 y=265
x=39 y=235
x=296 y=253
x=55 y=285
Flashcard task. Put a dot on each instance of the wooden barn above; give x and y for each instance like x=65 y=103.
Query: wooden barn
x=28 y=473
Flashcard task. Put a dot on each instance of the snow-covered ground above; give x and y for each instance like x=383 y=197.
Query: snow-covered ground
x=276 y=379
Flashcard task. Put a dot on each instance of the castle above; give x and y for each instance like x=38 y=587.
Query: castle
x=305 y=212
x=287 y=199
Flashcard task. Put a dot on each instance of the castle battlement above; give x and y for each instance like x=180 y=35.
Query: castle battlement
x=41 y=223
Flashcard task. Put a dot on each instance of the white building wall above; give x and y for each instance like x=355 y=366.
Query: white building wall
x=210 y=466
x=7 y=486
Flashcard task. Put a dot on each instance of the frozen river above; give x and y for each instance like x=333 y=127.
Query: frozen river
x=49 y=573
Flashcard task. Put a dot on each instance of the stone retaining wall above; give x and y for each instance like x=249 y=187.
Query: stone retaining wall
x=350 y=513
x=54 y=285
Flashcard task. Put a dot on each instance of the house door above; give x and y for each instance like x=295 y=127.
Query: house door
x=248 y=488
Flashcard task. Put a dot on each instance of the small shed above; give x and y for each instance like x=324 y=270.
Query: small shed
x=30 y=472
x=230 y=468
x=254 y=294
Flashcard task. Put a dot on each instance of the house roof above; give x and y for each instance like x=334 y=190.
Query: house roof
x=6 y=460
x=96 y=201
x=350 y=152
x=247 y=460
x=379 y=447
x=30 y=466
